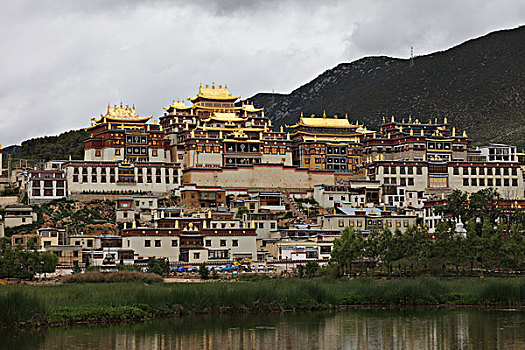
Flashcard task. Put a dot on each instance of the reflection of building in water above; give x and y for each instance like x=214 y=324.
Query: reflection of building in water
x=348 y=329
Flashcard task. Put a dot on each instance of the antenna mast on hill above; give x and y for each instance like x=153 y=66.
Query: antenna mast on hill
x=411 y=57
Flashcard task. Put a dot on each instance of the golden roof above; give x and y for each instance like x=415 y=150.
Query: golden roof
x=213 y=93
x=250 y=108
x=225 y=117
x=324 y=122
x=178 y=105
x=121 y=114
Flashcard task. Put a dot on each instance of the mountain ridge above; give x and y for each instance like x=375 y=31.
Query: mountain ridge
x=478 y=85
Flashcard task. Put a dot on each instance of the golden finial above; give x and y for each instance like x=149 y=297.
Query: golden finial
x=335 y=116
x=120 y=104
x=324 y=114
x=393 y=119
x=213 y=85
x=200 y=85
x=464 y=133
x=453 y=131
x=384 y=120
x=435 y=120
x=346 y=116
x=411 y=132
x=220 y=86
x=422 y=132
x=410 y=118
x=445 y=120
x=282 y=130
x=430 y=121
x=207 y=86
x=288 y=136
x=225 y=86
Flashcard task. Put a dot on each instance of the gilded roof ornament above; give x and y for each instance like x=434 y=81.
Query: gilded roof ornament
x=324 y=114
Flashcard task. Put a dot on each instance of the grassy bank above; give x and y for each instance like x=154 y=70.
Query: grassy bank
x=70 y=303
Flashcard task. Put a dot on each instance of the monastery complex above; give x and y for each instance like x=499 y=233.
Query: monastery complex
x=232 y=176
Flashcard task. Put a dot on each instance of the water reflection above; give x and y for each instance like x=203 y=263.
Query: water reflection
x=349 y=329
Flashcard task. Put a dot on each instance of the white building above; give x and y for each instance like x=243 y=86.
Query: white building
x=495 y=152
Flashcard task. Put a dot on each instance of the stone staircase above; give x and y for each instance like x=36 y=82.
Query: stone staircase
x=297 y=212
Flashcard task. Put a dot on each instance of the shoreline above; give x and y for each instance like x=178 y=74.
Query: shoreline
x=30 y=306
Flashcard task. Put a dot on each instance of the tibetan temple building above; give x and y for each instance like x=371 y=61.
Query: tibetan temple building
x=327 y=143
x=215 y=133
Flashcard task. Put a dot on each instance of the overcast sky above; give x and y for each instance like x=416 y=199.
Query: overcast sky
x=63 y=61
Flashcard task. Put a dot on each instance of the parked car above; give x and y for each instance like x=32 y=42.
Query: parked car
x=229 y=268
x=192 y=269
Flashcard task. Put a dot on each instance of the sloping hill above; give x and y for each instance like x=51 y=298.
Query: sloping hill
x=479 y=85
x=70 y=143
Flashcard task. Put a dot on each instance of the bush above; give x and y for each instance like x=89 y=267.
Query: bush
x=112 y=277
x=203 y=271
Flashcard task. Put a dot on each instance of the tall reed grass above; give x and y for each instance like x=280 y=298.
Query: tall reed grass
x=103 y=302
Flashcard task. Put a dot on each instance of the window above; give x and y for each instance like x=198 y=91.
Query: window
x=196 y=256
x=235 y=243
x=261 y=224
x=207 y=243
x=174 y=243
x=465 y=171
x=465 y=182
x=117 y=152
x=419 y=170
x=410 y=181
x=341 y=223
x=514 y=182
x=90 y=243
x=474 y=182
x=223 y=243
x=147 y=243
x=154 y=153
x=157 y=243
x=498 y=182
x=97 y=153
x=456 y=171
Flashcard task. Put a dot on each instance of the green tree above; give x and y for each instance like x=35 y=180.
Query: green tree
x=203 y=271
x=311 y=269
x=159 y=266
x=347 y=249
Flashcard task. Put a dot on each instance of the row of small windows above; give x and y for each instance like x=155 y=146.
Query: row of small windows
x=403 y=170
x=485 y=171
x=111 y=171
x=111 y=178
x=359 y=223
x=175 y=243
x=409 y=181
x=490 y=182
x=49 y=184
x=48 y=192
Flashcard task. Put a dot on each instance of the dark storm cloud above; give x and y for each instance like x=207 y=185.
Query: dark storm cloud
x=63 y=61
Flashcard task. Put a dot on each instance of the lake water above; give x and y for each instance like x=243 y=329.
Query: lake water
x=347 y=329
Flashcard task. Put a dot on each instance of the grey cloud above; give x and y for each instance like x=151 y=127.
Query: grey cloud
x=63 y=61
